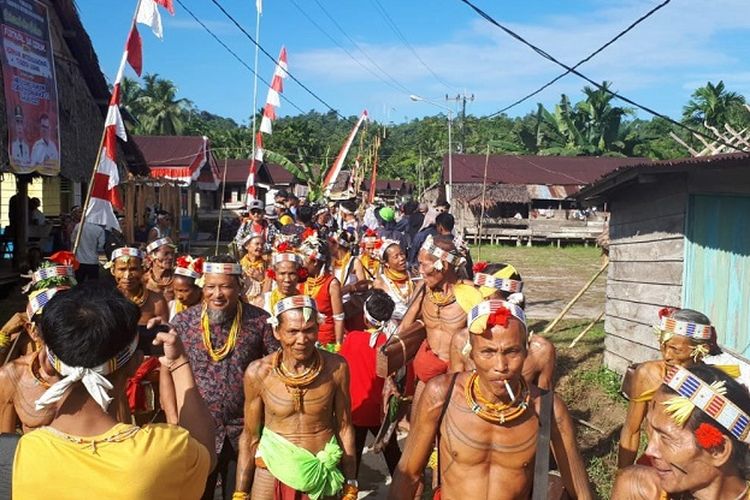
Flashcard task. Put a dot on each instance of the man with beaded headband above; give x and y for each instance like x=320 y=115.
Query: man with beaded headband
x=698 y=422
x=126 y=265
x=222 y=337
x=26 y=378
x=503 y=282
x=685 y=338
x=298 y=439
x=487 y=421
x=286 y=274
x=91 y=341
x=161 y=258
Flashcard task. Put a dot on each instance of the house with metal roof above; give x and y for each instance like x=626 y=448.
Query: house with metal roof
x=525 y=198
x=679 y=235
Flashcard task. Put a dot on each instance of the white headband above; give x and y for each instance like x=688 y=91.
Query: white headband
x=286 y=257
x=502 y=284
x=440 y=254
x=39 y=299
x=387 y=243
x=222 y=268
x=126 y=252
x=154 y=245
x=484 y=309
x=92 y=378
x=294 y=302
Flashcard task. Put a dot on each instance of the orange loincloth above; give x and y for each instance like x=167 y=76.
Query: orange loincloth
x=427 y=364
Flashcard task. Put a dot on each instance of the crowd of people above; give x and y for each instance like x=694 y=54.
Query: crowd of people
x=260 y=374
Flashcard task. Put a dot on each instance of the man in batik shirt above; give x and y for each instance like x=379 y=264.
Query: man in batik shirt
x=221 y=339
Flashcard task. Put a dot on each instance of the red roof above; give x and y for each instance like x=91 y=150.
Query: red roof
x=530 y=169
x=177 y=157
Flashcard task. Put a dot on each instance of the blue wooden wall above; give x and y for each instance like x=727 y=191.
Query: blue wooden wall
x=716 y=278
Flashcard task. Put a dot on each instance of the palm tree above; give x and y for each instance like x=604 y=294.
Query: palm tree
x=712 y=105
x=162 y=113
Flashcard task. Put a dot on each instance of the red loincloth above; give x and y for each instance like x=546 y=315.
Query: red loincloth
x=284 y=492
x=427 y=364
x=134 y=388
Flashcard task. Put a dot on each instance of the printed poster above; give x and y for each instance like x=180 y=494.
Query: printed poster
x=30 y=88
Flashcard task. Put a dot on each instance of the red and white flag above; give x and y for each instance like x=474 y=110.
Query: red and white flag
x=273 y=100
x=134 y=48
x=148 y=14
x=257 y=160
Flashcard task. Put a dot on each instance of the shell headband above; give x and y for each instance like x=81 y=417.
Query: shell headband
x=502 y=284
x=492 y=313
x=286 y=257
x=92 y=378
x=669 y=326
x=710 y=399
x=222 y=268
x=154 y=245
x=387 y=243
x=294 y=302
x=125 y=252
x=243 y=241
x=39 y=299
x=52 y=272
x=440 y=254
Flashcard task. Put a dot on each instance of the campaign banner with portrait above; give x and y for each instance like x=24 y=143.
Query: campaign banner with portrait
x=30 y=88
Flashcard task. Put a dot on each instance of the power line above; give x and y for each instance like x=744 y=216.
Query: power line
x=328 y=35
x=582 y=61
x=236 y=56
x=341 y=29
x=599 y=86
x=398 y=33
x=272 y=58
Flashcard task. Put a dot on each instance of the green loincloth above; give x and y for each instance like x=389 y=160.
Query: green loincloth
x=317 y=475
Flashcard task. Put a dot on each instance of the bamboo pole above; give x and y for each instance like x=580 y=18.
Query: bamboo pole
x=586 y=330
x=484 y=190
x=221 y=206
x=575 y=299
x=120 y=70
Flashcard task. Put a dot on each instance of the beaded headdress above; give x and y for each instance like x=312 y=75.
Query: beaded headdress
x=491 y=313
x=156 y=244
x=190 y=267
x=668 y=327
x=303 y=302
x=222 y=268
x=285 y=253
x=710 y=399
x=125 y=252
x=495 y=283
x=92 y=378
x=39 y=298
x=441 y=255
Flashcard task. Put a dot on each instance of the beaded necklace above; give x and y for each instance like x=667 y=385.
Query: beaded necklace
x=118 y=437
x=219 y=354
x=496 y=413
x=399 y=283
x=37 y=377
x=441 y=299
x=296 y=383
x=139 y=299
x=161 y=282
x=313 y=285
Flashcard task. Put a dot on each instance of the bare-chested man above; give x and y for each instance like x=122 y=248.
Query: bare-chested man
x=503 y=282
x=127 y=269
x=487 y=421
x=685 y=338
x=298 y=436
x=26 y=378
x=439 y=309
x=159 y=277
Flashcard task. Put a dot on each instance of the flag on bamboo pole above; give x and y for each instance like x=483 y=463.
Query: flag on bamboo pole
x=257 y=160
x=148 y=14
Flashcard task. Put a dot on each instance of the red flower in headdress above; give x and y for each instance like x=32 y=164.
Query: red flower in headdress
x=378 y=243
x=371 y=233
x=271 y=274
x=284 y=247
x=198 y=265
x=302 y=274
x=666 y=312
x=182 y=261
x=308 y=233
x=708 y=436
x=500 y=317
x=479 y=267
x=65 y=258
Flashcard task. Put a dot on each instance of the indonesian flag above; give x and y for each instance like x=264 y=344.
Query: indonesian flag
x=104 y=191
x=134 y=49
x=273 y=100
x=257 y=159
x=148 y=14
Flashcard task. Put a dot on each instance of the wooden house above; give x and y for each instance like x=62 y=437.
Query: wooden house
x=390 y=189
x=526 y=198
x=270 y=177
x=679 y=236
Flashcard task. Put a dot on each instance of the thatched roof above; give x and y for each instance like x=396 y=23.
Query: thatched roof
x=83 y=96
x=471 y=194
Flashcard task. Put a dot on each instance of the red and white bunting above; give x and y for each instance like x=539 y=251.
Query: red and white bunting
x=148 y=14
x=134 y=49
x=273 y=100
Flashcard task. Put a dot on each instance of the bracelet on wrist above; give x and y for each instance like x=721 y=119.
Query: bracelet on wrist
x=240 y=495
x=173 y=367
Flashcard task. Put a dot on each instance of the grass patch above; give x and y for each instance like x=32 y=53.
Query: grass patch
x=607 y=380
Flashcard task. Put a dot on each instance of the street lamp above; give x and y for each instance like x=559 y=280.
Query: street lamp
x=449 y=190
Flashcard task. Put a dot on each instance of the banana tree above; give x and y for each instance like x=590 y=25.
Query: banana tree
x=312 y=175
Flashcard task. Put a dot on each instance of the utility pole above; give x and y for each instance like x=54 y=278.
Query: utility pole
x=462 y=135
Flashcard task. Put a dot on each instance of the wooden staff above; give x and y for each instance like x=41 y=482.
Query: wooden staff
x=586 y=330
x=221 y=206
x=575 y=299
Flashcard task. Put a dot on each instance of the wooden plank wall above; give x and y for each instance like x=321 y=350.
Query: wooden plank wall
x=645 y=272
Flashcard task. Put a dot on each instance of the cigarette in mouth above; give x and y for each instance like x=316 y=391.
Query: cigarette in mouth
x=510 y=391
